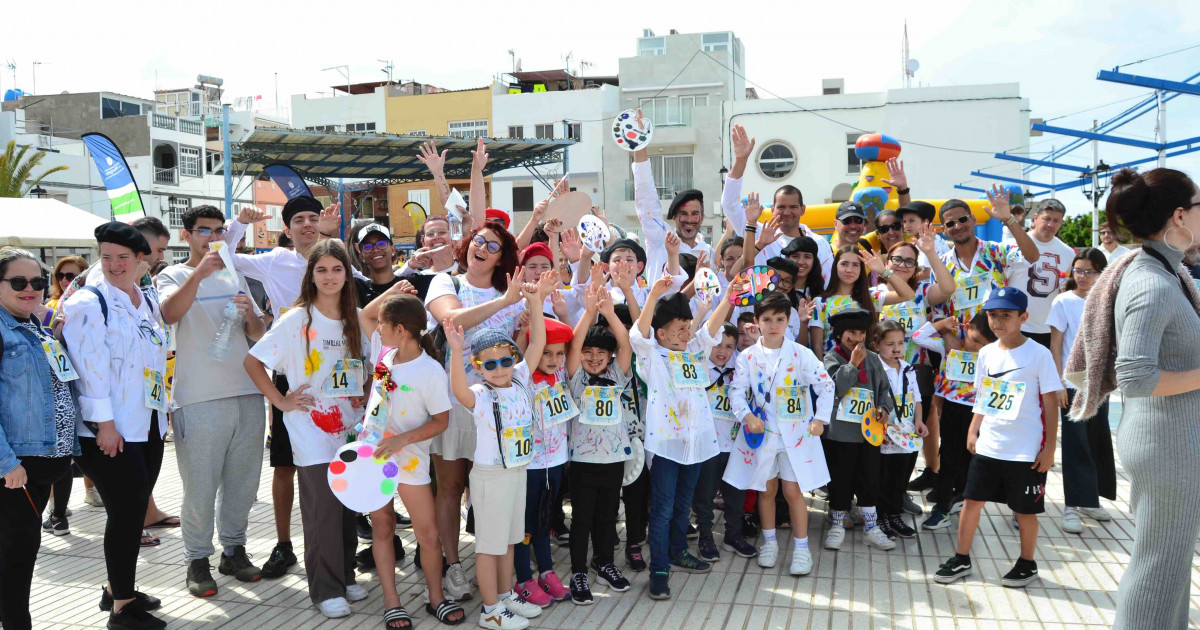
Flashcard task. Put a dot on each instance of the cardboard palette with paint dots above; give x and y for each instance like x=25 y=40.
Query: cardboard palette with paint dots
x=628 y=134
x=361 y=481
x=872 y=429
x=760 y=282
x=910 y=442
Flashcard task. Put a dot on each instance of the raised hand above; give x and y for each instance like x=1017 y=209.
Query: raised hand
x=559 y=305
x=702 y=260
x=753 y=208
x=330 y=221
x=512 y=295
x=743 y=145
x=605 y=303
x=548 y=281
x=210 y=264
x=572 y=247
x=479 y=157
x=561 y=187
x=871 y=260
x=926 y=242
x=454 y=335
x=660 y=288
x=554 y=225
x=672 y=243
x=429 y=156
x=622 y=275
x=896 y=177
x=806 y=309
x=591 y=297
x=998 y=206
x=768 y=234
x=250 y=215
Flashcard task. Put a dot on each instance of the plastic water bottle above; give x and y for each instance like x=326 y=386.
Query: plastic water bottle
x=230 y=323
x=455 y=227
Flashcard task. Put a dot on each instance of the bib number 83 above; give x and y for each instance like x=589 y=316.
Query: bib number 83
x=689 y=370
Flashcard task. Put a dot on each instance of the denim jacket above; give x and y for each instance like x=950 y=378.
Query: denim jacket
x=26 y=396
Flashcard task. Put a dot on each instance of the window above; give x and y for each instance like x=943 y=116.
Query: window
x=176 y=206
x=853 y=165
x=672 y=173
x=469 y=128
x=656 y=110
x=516 y=132
x=275 y=223
x=522 y=198
x=323 y=128
x=651 y=46
x=189 y=161
x=776 y=160
x=544 y=132
x=179 y=256
x=687 y=104
x=212 y=162
x=417 y=132
x=360 y=126
x=713 y=42
x=113 y=108
x=575 y=132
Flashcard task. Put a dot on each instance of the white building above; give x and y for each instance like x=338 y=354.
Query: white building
x=363 y=109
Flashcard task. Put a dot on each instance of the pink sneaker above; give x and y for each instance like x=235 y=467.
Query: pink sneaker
x=532 y=592
x=553 y=585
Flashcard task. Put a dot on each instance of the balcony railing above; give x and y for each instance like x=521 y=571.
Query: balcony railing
x=166 y=175
x=162 y=121
x=194 y=127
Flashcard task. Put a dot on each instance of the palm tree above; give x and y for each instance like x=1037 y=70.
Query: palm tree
x=15 y=169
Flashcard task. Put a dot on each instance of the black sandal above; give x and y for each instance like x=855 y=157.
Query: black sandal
x=396 y=614
x=445 y=609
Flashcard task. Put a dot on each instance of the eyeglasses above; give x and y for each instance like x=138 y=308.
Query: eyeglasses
x=18 y=283
x=492 y=246
x=207 y=232
x=366 y=247
x=951 y=222
x=65 y=275
x=492 y=364
x=853 y=221
x=1105 y=233
x=436 y=234
x=900 y=261
x=884 y=229
x=1084 y=273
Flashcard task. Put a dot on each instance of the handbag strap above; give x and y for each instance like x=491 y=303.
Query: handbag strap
x=1163 y=259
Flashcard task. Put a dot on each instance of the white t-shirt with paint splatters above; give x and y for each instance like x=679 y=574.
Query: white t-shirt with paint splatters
x=516 y=409
x=595 y=443
x=679 y=422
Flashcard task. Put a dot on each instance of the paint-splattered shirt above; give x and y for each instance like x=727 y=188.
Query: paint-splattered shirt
x=413 y=392
x=829 y=306
x=995 y=265
x=912 y=315
x=679 y=422
x=599 y=443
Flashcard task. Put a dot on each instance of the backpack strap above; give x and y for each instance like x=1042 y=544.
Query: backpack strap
x=499 y=425
x=100 y=296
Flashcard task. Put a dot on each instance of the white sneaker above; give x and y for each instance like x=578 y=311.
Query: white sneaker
x=455 y=583
x=875 y=536
x=502 y=619
x=336 y=607
x=521 y=608
x=768 y=554
x=801 y=562
x=835 y=536
x=1096 y=513
x=1070 y=521
x=91 y=496
x=356 y=592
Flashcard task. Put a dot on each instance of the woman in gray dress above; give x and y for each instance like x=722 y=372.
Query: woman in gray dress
x=1158 y=372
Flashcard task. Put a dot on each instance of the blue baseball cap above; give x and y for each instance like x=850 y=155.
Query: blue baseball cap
x=1006 y=298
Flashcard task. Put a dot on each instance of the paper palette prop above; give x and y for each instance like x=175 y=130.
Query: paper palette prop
x=361 y=481
x=760 y=281
x=594 y=234
x=637 y=461
x=872 y=429
x=706 y=284
x=628 y=135
x=910 y=442
x=569 y=208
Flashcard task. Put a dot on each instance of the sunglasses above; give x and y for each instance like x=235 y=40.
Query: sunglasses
x=366 y=247
x=853 y=221
x=900 y=261
x=951 y=222
x=492 y=364
x=65 y=275
x=1084 y=273
x=207 y=232
x=19 y=283
x=492 y=246
x=884 y=229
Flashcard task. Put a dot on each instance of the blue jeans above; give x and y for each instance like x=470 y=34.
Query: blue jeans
x=536 y=534
x=671 y=488
x=709 y=480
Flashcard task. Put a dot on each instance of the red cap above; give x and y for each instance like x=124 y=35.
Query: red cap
x=536 y=249
x=556 y=332
x=499 y=215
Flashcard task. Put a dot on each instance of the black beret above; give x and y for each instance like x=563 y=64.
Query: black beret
x=801 y=244
x=296 y=205
x=624 y=243
x=853 y=318
x=122 y=234
x=780 y=263
x=687 y=263
x=670 y=307
x=683 y=197
x=600 y=337
x=922 y=209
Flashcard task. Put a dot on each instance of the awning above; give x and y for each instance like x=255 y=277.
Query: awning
x=31 y=223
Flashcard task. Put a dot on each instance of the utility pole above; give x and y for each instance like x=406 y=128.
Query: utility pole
x=1096 y=186
x=38 y=63
x=1162 y=128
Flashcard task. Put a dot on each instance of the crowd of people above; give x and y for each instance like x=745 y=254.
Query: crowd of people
x=514 y=373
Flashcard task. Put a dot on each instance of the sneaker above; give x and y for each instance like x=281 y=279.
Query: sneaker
x=403 y=522
x=924 y=481
x=91 y=496
x=783 y=523
x=821 y=493
x=884 y=526
x=455 y=584
x=335 y=608
x=1024 y=572
x=937 y=520
x=1096 y=513
x=356 y=593
x=281 y=558
x=502 y=619
x=1070 y=521
x=749 y=526
x=362 y=525
x=956 y=504
x=911 y=507
x=238 y=565
x=900 y=528
x=801 y=562
x=133 y=616
x=952 y=570
x=611 y=577
x=581 y=595
x=533 y=593
x=553 y=585
x=660 y=588
x=834 y=537
x=737 y=544
x=144 y=601
x=634 y=558
x=685 y=561
x=520 y=608
x=200 y=582
x=692 y=532
x=562 y=538
x=365 y=558
x=56 y=526
x=768 y=554
x=875 y=536
x=707 y=548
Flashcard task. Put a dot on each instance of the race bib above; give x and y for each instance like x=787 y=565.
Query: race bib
x=971 y=291
x=960 y=366
x=377 y=414
x=718 y=400
x=905 y=406
x=557 y=407
x=344 y=380
x=686 y=370
x=518 y=445
x=908 y=315
x=601 y=405
x=154 y=390
x=792 y=404
x=1000 y=399
x=855 y=405
x=60 y=364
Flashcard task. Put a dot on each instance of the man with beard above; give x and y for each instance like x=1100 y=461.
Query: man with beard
x=375 y=249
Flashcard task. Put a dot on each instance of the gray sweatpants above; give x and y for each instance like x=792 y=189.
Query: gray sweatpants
x=329 y=538
x=219 y=447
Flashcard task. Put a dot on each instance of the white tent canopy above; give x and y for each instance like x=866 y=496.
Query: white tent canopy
x=31 y=223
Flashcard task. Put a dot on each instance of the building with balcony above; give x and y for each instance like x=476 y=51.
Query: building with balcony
x=199 y=102
x=359 y=107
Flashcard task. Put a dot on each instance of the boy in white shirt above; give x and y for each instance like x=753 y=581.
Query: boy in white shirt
x=1011 y=435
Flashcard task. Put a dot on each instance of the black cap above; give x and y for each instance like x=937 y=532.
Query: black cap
x=122 y=234
x=922 y=209
x=687 y=263
x=853 y=318
x=801 y=244
x=850 y=209
x=780 y=263
x=296 y=205
x=670 y=307
x=683 y=197
x=950 y=205
x=624 y=243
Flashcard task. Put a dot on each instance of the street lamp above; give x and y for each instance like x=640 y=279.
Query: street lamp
x=1093 y=185
x=39 y=192
x=723 y=172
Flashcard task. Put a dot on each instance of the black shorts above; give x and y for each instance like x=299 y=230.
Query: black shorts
x=281 y=444
x=1015 y=484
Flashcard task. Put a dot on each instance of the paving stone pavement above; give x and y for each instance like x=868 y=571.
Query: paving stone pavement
x=858 y=587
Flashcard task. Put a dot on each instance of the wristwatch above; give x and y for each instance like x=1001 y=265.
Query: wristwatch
x=886 y=274
x=902 y=191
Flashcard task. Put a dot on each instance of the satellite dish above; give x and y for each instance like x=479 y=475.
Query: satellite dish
x=912 y=66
